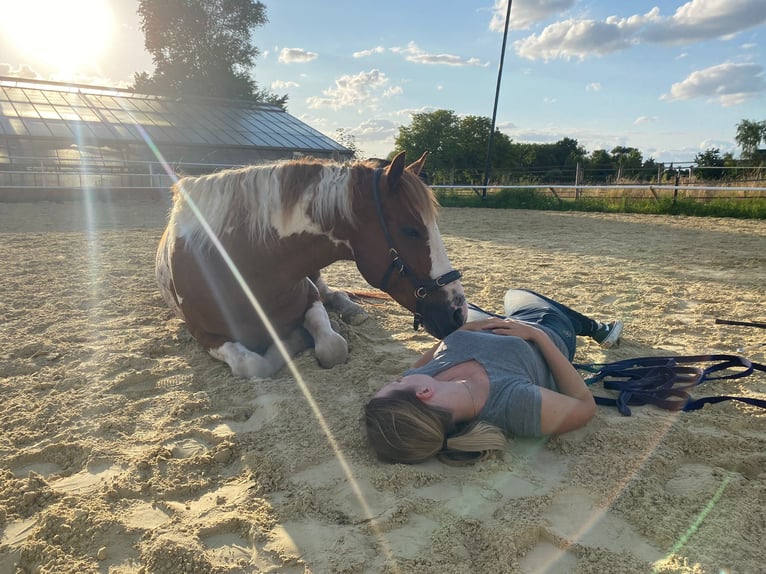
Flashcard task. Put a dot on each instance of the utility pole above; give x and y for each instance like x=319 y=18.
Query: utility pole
x=487 y=165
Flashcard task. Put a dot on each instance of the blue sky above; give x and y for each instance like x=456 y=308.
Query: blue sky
x=671 y=78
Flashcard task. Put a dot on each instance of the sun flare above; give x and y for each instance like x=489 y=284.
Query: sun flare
x=69 y=35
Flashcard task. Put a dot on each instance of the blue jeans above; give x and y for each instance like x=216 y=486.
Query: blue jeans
x=531 y=307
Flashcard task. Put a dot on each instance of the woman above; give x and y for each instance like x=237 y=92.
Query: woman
x=495 y=376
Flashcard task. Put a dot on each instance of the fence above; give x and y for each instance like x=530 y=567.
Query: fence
x=628 y=191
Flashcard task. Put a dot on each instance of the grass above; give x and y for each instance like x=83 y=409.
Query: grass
x=743 y=208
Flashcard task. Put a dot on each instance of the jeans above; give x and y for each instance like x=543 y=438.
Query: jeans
x=531 y=307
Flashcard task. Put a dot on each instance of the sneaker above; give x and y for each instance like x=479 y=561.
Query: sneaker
x=608 y=334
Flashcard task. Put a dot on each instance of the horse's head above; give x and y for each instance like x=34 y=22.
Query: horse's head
x=398 y=247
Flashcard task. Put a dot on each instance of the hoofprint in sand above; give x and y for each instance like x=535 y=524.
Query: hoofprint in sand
x=125 y=448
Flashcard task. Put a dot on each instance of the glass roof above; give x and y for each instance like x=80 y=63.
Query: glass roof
x=34 y=109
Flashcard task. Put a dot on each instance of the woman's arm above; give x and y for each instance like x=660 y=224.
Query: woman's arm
x=573 y=406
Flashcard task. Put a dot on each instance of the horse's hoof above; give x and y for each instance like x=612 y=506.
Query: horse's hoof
x=356 y=317
x=331 y=350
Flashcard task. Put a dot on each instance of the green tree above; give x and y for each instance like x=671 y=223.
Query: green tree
x=749 y=136
x=710 y=163
x=600 y=166
x=628 y=161
x=457 y=146
x=434 y=132
x=202 y=48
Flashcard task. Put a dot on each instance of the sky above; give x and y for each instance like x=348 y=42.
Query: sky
x=672 y=78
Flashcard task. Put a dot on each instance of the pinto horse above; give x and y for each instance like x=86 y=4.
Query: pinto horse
x=240 y=259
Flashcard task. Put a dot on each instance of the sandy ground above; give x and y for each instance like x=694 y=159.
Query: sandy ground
x=125 y=448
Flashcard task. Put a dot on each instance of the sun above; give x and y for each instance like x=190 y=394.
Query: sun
x=68 y=35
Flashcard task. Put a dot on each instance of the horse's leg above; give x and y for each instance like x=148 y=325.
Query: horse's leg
x=350 y=312
x=246 y=363
x=331 y=348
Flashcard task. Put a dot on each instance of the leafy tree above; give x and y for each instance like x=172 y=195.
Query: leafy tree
x=457 y=146
x=202 y=48
x=749 y=136
x=710 y=163
x=434 y=132
x=600 y=165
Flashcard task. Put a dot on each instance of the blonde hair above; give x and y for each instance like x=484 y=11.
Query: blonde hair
x=401 y=428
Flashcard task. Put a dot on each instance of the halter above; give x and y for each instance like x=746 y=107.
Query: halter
x=422 y=288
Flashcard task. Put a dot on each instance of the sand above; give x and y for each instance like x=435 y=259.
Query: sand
x=125 y=448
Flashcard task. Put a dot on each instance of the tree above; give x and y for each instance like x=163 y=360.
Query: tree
x=348 y=141
x=710 y=163
x=457 y=146
x=749 y=136
x=202 y=48
x=434 y=132
x=628 y=161
x=600 y=165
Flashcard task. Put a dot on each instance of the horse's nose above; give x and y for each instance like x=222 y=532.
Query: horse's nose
x=459 y=316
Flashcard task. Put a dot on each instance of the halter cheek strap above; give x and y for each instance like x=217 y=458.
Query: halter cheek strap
x=422 y=288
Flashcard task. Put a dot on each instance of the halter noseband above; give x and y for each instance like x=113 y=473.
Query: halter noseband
x=422 y=288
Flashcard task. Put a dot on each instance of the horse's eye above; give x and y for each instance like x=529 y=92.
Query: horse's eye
x=411 y=232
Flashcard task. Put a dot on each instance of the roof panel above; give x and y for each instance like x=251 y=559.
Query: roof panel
x=73 y=111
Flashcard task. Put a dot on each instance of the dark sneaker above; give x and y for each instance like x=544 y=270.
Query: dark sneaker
x=608 y=334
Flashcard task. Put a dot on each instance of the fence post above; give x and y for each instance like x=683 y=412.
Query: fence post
x=578 y=180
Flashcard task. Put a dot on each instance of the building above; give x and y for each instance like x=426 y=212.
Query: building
x=56 y=136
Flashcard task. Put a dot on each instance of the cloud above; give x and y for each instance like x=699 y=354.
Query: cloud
x=728 y=84
x=283 y=85
x=695 y=21
x=644 y=120
x=23 y=71
x=705 y=19
x=412 y=53
x=375 y=129
x=593 y=87
x=296 y=56
x=352 y=90
x=574 y=39
x=370 y=52
x=524 y=13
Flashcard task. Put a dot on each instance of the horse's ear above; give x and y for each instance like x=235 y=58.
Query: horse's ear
x=394 y=171
x=416 y=167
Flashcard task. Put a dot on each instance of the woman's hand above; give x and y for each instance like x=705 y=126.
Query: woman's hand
x=500 y=326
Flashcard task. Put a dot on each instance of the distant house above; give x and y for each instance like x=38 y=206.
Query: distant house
x=73 y=136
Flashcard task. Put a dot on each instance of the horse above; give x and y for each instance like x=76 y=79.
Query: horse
x=241 y=257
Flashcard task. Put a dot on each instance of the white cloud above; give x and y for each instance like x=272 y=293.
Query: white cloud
x=296 y=56
x=375 y=129
x=573 y=39
x=695 y=21
x=644 y=120
x=412 y=53
x=283 y=85
x=705 y=19
x=23 y=71
x=393 y=91
x=524 y=13
x=593 y=87
x=351 y=90
x=370 y=52
x=728 y=84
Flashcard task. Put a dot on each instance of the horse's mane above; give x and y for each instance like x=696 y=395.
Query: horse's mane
x=278 y=195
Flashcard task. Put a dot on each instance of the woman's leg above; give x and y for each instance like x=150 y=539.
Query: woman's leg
x=521 y=301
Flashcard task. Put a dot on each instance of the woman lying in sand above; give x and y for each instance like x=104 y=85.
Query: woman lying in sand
x=493 y=377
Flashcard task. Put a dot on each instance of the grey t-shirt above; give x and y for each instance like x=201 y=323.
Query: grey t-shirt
x=515 y=367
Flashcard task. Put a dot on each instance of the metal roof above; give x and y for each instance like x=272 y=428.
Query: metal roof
x=75 y=112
